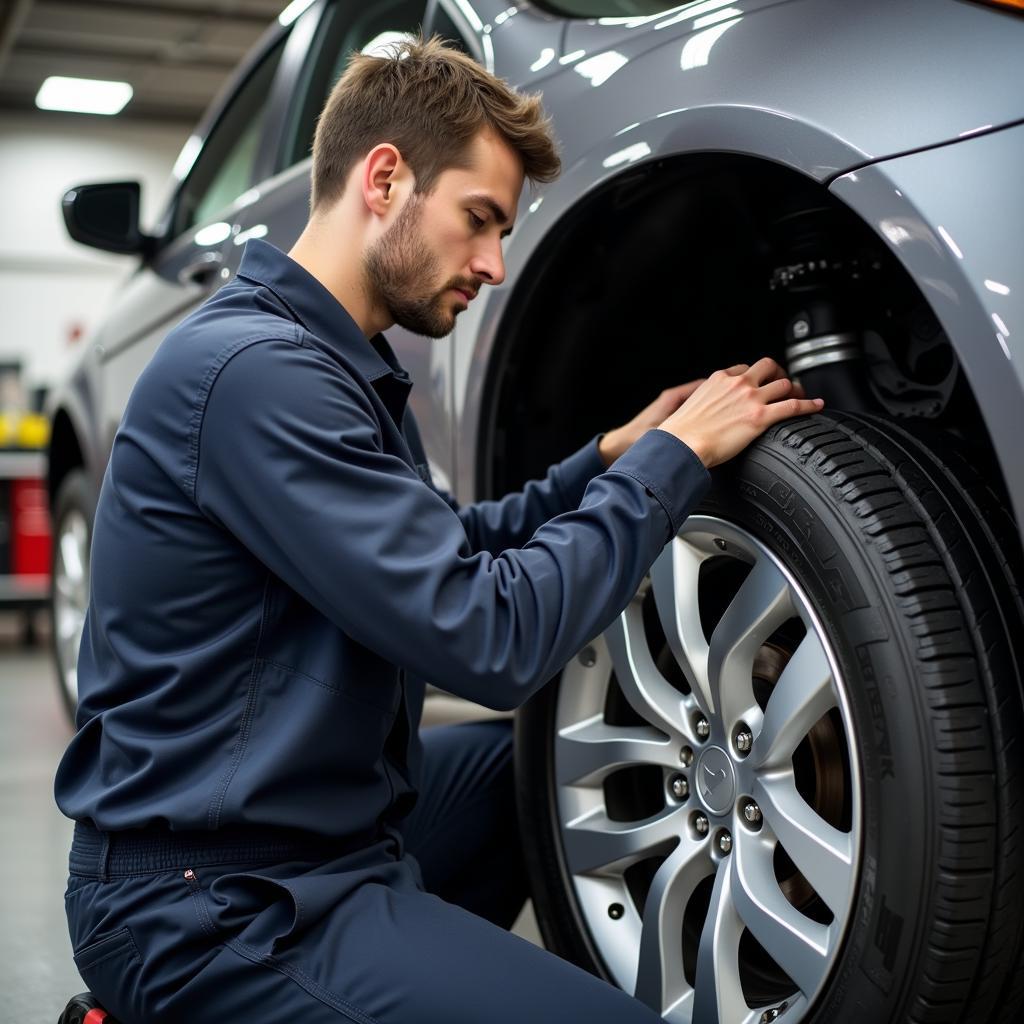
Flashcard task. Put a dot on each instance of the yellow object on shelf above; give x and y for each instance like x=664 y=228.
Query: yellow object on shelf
x=33 y=431
x=24 y=430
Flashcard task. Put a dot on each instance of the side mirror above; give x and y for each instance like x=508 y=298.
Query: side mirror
x=106 y=217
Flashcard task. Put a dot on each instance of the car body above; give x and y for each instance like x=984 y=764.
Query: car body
x=830 y=184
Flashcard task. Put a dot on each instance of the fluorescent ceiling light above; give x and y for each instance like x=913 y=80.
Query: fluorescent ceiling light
x=83 y=95
x=293 y=10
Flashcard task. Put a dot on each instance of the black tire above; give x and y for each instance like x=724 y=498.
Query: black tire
x=913 y=566
x=74 y=498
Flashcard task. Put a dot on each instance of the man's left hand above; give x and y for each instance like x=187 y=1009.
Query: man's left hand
x=615 y=442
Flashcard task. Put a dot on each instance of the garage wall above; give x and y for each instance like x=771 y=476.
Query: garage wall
x=50 y=287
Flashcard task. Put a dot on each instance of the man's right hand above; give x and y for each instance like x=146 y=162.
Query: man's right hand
x=733 y=407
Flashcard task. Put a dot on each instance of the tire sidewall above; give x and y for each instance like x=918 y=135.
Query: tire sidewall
x=816 y=536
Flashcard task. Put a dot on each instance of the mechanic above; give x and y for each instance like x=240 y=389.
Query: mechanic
x=262 y=834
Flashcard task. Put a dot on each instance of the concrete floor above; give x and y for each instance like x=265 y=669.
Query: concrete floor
x=37 y=974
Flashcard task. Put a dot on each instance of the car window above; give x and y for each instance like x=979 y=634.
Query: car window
x=224 y=168
x=350 y=26
x=443 y=26
x=610 y=8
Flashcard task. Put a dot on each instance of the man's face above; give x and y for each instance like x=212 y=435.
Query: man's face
x=443 y=247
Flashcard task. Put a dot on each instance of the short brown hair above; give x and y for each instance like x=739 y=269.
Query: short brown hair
x=429 y=101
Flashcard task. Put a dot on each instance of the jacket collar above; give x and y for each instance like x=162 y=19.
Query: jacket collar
x=318 y=310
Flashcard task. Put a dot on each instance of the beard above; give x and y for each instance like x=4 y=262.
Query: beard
x=398 y=270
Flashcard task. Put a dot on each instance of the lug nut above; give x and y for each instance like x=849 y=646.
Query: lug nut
x=686 y=756
x=588 y=657
x=701 y=727
x=720 y=544
x=752 y=813
x=744 y=740
x=700 y=825
x=615 y=911
x=725 y=842
x=679 y=787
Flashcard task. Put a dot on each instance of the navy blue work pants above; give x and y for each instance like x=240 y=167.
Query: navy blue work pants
x=228 y=933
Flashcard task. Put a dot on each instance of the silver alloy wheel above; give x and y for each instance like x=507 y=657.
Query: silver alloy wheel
x=71 y=595
x=781 y=886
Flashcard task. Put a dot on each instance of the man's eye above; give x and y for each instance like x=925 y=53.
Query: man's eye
x=477 y=222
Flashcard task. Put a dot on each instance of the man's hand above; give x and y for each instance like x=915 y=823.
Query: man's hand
x=615 y=442
x=734 y=406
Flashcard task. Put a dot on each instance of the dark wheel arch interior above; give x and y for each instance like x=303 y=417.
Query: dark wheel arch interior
x=65 y=453
x=665 y=274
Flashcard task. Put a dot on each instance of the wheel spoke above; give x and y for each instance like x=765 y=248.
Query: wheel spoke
x=69 y=623
x=674 y=579
x=660 y=981
x=66 y=636
x=762 y=604
x=798 y=944
x=804 y=692
x=823 y=854
x=67 y=591
x=718 y=995
x=589 y=752
x=596 y=844
x=649 y=693
x=71 y=557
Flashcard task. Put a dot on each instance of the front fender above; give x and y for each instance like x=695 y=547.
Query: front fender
x=954 y=217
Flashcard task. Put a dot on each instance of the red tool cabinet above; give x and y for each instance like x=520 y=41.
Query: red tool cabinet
x=24 y=528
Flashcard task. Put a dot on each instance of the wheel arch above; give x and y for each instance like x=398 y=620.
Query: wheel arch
x=673 y=136
x=696 y=143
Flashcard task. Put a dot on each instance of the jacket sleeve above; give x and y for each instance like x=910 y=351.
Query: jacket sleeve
x=509 y=522
x=290 y=461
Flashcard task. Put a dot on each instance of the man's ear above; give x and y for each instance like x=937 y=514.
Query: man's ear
x=384 y=179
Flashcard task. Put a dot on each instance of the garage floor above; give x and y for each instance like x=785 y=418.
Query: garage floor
x=36 y=971
x=37 y=974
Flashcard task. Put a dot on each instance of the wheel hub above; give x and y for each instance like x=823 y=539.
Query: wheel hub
x=716 y=780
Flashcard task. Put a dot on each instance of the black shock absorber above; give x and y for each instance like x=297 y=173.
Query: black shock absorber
x=819 y=293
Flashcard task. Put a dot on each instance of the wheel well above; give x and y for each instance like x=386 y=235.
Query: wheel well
x=65 y=453
x=682 y=266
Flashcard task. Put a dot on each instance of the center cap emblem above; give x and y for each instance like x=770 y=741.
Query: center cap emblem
x=716 y=782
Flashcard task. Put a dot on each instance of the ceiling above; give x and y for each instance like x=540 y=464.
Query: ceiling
x=175 y=54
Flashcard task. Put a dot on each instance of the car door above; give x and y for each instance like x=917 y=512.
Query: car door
x=216 y=170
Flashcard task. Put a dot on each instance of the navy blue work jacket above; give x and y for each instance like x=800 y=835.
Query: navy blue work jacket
x=273 y=578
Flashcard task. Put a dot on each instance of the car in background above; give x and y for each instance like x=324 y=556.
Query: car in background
x=787 y=784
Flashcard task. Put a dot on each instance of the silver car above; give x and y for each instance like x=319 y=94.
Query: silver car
x=788 y=783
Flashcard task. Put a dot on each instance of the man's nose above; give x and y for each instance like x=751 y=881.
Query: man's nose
x=489 y=264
